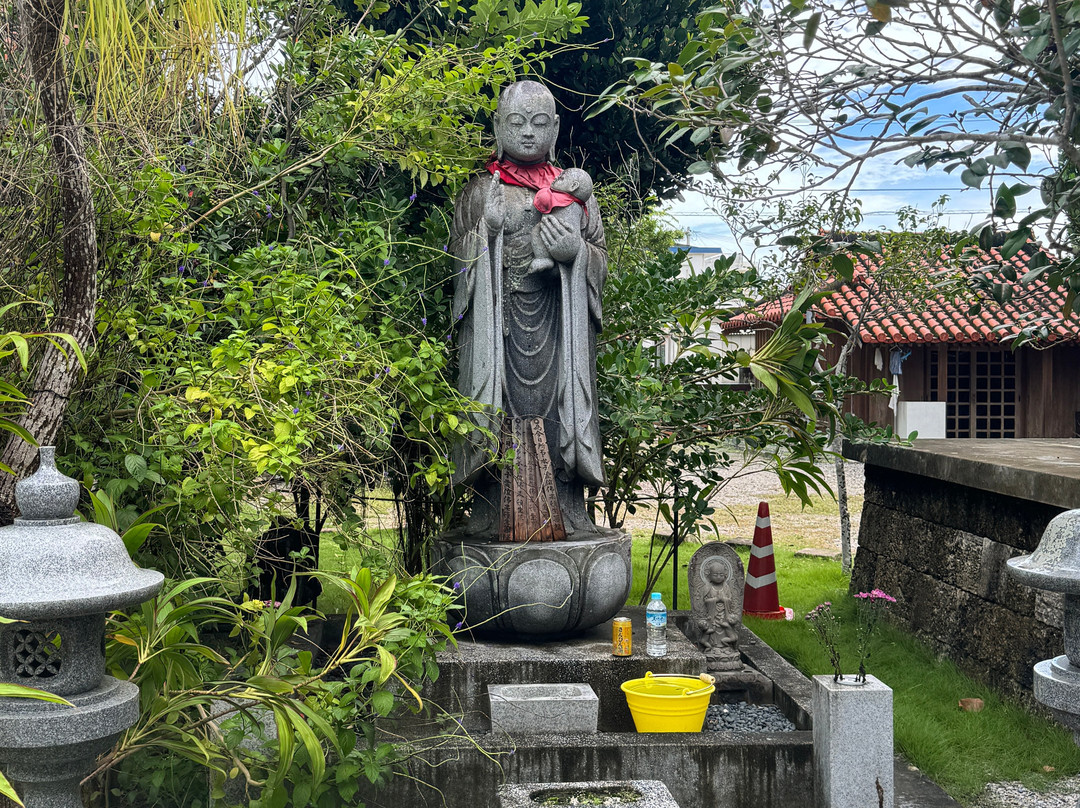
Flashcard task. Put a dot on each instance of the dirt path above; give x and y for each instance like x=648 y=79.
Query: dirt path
x=736 y=510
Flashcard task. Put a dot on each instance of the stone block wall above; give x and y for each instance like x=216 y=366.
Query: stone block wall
x=940 y=548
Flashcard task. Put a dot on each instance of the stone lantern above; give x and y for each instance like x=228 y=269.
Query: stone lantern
x=59 y=577
x=1055 y=566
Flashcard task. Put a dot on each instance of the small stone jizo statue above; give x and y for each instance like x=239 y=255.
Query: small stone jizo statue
x=716 y=584
x=530 y=265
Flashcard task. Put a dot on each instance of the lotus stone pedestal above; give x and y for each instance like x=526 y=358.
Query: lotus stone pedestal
x=537 y=590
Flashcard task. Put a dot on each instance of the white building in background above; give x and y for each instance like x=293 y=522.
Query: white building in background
x=697 y=260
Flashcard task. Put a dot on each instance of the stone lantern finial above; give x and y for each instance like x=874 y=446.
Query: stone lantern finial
x=48 y=495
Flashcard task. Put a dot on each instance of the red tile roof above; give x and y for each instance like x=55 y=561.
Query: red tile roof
x=942 y=320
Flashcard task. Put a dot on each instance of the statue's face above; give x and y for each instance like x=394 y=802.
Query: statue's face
x=526 y=125
x=716 y=574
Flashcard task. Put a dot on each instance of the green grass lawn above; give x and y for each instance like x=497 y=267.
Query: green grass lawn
x=378 y=548
x=960 y=751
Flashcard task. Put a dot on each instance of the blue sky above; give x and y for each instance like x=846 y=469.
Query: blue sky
x=884 y=185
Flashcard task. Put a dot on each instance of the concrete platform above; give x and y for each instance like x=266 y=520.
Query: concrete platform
x=466 y=671
x=467 y=761
x=1045 y=470
x=915 y=790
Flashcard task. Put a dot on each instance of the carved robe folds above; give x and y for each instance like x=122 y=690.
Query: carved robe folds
x=527 y=351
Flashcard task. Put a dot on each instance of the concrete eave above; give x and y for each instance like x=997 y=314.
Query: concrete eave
x=1045 y=470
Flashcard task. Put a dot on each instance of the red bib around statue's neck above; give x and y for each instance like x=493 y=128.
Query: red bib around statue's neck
x=537 y=177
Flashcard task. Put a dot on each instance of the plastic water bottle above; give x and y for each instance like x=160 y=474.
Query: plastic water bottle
x=656 y=626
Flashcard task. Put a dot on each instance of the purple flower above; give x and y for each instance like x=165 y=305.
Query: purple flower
x=457 y=586
x=180 y=269
x=444 y=248
x=423 y=321
x=340 y=446
x=291 y=344
x=269 y=215
x=876 y=595
x=460 y=316
x=191 y=142
x=307 y=393
x=386 y=262
x=295 y=410
x=460 y=623
x=387 y=368
x=254 y=193
x=206 y=283
x=182 y=168
x=412 y=198
x=464 y=269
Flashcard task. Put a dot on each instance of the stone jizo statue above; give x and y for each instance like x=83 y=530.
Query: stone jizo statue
x=530 y=268
x=716 y=584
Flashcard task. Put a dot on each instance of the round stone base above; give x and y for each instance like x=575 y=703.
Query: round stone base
x=46 y=748
x=537 y=590
x=1057 y=685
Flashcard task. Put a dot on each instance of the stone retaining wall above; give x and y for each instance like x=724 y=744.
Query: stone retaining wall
x=940 y=547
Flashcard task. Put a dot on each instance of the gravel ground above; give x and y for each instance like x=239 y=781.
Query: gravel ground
x=1015 y=795
x=743 y=717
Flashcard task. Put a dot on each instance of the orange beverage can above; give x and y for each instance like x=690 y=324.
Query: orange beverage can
x=622 y=636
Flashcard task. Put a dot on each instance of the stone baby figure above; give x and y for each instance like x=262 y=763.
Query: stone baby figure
x=566 y=199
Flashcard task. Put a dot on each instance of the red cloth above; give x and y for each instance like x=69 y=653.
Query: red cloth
x=537 y=177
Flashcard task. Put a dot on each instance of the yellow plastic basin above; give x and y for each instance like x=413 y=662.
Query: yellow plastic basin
x=668 y=703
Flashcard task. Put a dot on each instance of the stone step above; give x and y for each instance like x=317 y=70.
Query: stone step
x=818 y=552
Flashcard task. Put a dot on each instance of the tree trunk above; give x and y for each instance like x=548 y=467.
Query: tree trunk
x=842 y=502
x=835 y=446
x=55 y=374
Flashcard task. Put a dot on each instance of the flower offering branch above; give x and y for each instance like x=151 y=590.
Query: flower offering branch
x=869 y=606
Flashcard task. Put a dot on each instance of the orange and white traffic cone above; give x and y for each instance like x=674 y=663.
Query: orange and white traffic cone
x=760 y=595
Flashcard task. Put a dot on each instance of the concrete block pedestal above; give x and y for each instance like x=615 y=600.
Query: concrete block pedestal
x=543 y=708
x=853 y=743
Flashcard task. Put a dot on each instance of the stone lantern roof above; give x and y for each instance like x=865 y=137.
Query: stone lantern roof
x=54 y=565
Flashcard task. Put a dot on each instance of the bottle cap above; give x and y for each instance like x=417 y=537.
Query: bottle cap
x=656 y=596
